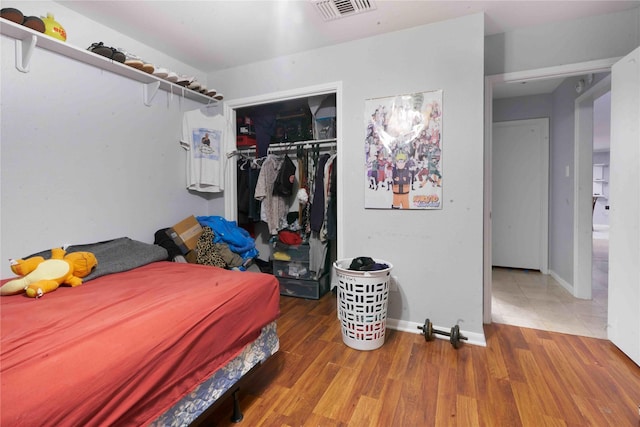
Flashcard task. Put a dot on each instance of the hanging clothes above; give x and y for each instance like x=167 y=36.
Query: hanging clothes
x=317 y=254
x=202 y=139
x=244 y=194
x=328 y=170
x=317 y=206
x=248 y=171
x=254 y=205
x=302 y=183
x=331 y=216
x=318 y=244
x=274 y=207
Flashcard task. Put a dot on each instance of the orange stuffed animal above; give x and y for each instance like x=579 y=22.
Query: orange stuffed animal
x=41 y=276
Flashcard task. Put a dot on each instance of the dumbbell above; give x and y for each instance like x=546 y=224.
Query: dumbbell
x=454 y=335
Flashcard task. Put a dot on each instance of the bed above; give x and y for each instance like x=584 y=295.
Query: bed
x=151 y=342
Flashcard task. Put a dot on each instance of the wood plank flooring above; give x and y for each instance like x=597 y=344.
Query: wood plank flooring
x=524 y=377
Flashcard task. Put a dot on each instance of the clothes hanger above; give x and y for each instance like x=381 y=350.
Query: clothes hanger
x=244 y=162
x=206 y=109
x=286 y=150
x=258 y=161
x=315 y=155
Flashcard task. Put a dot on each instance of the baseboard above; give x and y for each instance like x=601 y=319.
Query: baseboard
x=473 y=338
x=568 y=287
x=562 y=282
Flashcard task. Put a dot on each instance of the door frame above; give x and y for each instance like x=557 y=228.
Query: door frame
x=567 y=70
x=583 y=188
x=230 y=107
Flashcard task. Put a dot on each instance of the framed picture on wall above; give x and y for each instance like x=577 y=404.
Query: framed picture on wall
x=403 y=151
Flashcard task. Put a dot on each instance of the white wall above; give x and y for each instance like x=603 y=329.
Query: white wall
x=437 y=255
x=580 y=40
x=82 y=158
x=522 y=108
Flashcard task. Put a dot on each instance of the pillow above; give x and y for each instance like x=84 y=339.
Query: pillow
x=117 y=255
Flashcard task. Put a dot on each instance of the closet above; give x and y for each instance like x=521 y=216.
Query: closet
x=286 y=189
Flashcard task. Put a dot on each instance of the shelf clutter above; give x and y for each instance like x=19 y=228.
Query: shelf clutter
x=27 y=39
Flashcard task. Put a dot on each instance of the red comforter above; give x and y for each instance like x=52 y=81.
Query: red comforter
x=123 y=348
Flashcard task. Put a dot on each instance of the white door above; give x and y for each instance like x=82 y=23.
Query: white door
x=624 y=217
x=520 y=179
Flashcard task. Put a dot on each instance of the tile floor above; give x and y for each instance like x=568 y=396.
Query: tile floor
x=530 y=299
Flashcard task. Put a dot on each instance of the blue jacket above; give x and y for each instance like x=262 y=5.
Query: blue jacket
x=237 y=238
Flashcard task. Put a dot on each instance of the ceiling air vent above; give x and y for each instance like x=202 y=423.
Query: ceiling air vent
x=334 y=9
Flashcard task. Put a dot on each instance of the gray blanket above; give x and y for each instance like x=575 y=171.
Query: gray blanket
x=116 y=255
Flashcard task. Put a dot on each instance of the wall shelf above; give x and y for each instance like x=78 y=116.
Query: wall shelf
x=27 y=40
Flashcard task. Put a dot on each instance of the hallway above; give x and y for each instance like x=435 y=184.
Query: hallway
x=530 y=299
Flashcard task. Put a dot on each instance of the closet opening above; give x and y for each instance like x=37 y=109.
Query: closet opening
x=285 y=188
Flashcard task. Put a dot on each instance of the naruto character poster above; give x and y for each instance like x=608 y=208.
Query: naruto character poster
x=403 y=152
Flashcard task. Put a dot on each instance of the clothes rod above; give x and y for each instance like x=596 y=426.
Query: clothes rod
x=287 y=145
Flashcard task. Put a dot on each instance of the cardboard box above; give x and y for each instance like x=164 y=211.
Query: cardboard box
x=185 y=234
x=192 y=257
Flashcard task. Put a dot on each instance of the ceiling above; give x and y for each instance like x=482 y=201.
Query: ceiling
x=211 y=35
x=218 y=34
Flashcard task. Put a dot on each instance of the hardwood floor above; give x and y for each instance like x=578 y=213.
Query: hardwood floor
x=524 y=377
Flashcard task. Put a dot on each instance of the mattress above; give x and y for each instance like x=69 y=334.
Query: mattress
x=204 y=395
x=126 y=347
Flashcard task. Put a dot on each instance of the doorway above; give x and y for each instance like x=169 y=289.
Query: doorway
x=584 y=200
x=601 y=205
x=491 y=81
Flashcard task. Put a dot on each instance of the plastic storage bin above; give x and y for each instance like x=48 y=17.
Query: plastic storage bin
x=362 y=304
x=292 y=269
x=309 y=289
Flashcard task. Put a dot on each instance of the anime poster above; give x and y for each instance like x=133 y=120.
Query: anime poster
x=403 y=152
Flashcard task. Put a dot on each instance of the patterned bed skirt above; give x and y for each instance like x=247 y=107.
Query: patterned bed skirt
x=195 y=403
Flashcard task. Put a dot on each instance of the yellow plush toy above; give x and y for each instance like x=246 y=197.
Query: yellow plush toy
x=41 y=276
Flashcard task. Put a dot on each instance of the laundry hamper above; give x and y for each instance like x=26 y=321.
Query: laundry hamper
x=362 y=304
